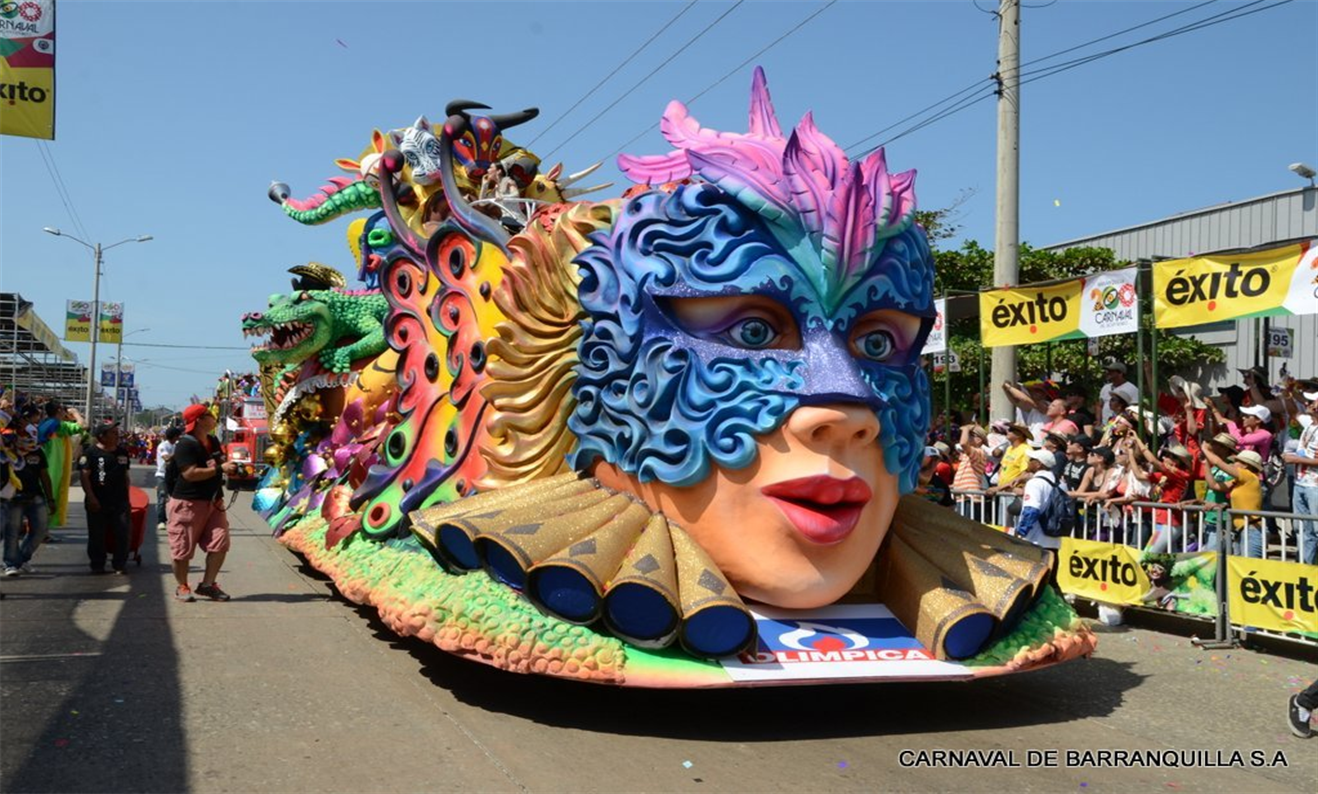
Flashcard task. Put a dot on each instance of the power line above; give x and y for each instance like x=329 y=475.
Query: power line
x=59 y=191
x=735 y=69
x=616 y=69
x=990 y=80
x=1225 y=16
x=640 y=82
x=63 y=186
x=184 y=347
x=1049 y=71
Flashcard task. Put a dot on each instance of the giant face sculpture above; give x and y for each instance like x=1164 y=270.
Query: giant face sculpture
x=749 y=362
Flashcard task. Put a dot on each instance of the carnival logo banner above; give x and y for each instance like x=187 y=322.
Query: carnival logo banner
x=1266 y=594
x=1209 y=289
x=112 y=322
x=126 y=374
x=937 y=339
x=108 y=378
x=1096 y=305
x=1105 y=572
x=1109 y=303
x=27 y=68
x=78 y=321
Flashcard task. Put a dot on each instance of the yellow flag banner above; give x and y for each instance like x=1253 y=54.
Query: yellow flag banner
x=1209 y=289
x=1267 y=594
x=112 y=323
x=1026 y=315
x=1106 y=572
x=27 y=68
x=78 y=321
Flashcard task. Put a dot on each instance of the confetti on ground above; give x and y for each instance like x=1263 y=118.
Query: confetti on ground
x=1084 y=785
x=687 y=764
x=118 y=700
x=61 y=742
x=74 y=712
x=841 y=764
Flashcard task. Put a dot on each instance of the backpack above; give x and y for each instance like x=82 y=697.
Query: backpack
x=1058 y=516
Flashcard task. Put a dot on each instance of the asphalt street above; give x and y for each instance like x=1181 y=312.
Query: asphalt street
x=107 y=684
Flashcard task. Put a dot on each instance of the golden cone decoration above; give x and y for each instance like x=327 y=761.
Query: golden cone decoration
x=708 y=600
x=931 y=606
x=649 y=568
x=589 y=563
x=530 y=538
x=925 y=525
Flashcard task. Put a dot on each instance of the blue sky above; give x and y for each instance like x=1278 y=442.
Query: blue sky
x=173 y=118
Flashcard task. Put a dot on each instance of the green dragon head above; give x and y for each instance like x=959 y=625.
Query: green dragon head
x=298 y=326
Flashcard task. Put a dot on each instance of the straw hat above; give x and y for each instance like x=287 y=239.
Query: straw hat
x=1225 y=439
x=1250 y=458
x=1179 y=451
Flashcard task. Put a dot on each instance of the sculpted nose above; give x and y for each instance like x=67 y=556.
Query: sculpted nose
x=835 y=427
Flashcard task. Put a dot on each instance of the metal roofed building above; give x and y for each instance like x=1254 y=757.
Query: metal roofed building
x=33 y=360
x=1268 y=221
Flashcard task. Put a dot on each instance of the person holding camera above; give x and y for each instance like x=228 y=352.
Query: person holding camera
x=196 y=517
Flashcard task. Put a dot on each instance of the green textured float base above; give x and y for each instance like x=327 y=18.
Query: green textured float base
x=473 y=616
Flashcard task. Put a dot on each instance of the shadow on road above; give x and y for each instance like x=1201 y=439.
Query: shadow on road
x=91 y=676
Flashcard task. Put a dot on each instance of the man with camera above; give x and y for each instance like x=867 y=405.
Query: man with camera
x=196 y=517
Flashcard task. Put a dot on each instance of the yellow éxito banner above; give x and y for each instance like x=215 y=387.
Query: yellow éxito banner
x=27 y=68
x=1208 y=289
x=1025 y=315
x=1105 y=572
x=1267 y=594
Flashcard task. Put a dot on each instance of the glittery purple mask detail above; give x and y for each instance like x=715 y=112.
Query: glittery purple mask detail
x=786 y=219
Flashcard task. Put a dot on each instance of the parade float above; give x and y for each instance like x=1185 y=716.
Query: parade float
x=665 y=439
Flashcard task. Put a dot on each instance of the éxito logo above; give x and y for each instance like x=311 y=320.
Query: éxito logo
x=1032 y=312
x=1236 y=282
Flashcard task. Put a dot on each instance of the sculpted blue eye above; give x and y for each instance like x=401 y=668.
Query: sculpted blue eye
x=752 y=332
x=877 y=345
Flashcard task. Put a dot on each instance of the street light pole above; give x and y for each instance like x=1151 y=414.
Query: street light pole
x=97 y=251
x=96 y=337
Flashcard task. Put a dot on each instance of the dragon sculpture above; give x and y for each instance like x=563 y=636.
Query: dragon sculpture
x=311 y=338
x=624 y=442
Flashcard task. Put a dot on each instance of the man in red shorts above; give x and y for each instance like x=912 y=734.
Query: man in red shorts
x=196 y=516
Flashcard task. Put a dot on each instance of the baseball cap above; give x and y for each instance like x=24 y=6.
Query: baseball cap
x=1043 y=456
x=1310 y=395
x=1083 y=440
x=1260 y=411
x=1115 y=366
x=931 y=452
x=103 y=428
x=191 y=414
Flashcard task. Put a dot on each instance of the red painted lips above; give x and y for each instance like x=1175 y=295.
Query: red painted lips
x=824 y=509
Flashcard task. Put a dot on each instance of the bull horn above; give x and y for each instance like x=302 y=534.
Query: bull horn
x=570 y=178
x=459 y=107
x=581 y=191
x=508 y=120
x=278 y=192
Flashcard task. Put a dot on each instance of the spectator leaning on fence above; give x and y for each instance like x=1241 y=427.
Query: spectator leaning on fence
x=1014 y=458
x=1305 y=498
x=1038 y=490
x=1245 y=468
x=1078 y=449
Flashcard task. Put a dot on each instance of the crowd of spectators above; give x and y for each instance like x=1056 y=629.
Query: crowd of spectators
x=1250 y=447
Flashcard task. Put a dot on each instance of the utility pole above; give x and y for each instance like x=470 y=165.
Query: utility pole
x=1006 y=243
x=96 y=337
